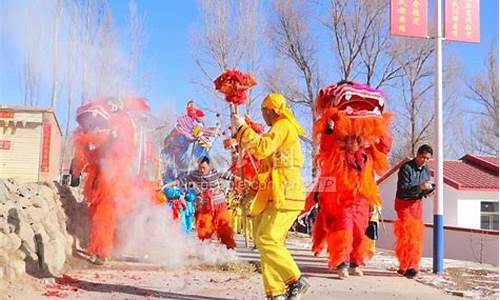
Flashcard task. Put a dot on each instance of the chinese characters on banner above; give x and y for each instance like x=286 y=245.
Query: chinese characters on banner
x=461 y=20
x=409 y=18
x=44 y=167
x=6 y=115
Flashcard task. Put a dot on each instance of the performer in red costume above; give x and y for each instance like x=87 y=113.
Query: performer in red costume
x=354 y=139
x=106 y=150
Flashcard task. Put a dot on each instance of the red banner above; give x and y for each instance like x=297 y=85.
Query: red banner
x=4 y=145
x=461 y=20
x=409 y=18
x=44 y=167
x=6 y=115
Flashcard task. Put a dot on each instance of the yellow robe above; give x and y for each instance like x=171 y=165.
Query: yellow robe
x=279 y=199
x=279 y=178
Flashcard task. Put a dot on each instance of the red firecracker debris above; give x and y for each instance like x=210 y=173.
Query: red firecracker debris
x=55 y=293
x=66 y=279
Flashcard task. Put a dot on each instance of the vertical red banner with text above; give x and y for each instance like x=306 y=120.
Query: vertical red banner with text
x=44 y=166
x=462 y=20
x=409 y=18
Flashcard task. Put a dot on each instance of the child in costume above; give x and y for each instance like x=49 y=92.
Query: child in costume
x=175 y=201
x=188 y=215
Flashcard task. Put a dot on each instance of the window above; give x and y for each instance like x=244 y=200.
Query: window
x=489 y=215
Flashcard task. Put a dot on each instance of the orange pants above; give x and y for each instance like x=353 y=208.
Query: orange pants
x=102 y=228
x=347 y=242
x=319 y=234
x=409 y=232
x=217 y=220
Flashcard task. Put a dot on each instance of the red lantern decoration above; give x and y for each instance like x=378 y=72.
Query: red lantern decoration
x=234 y=84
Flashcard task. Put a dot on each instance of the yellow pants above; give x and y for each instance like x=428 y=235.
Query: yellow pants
x=236 y=220
x=278 y=267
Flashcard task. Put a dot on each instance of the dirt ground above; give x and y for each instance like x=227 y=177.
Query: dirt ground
x=241 y=280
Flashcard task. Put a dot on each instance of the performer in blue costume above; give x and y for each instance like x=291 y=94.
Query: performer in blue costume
x=188 y=215
x=173 y=194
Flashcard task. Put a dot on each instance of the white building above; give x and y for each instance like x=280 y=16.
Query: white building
x=470 y=193
x=30 y=143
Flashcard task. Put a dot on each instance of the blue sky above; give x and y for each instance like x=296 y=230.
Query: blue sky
x=169 y=55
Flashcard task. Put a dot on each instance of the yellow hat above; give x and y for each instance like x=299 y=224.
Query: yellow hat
x=277 y=102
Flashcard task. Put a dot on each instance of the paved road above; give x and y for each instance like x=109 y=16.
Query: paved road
x=378 y=283
x=126 y=280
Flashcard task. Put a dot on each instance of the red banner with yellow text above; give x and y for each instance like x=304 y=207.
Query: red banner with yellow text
x=44 y=166
x=461 y=20
x=409 y=18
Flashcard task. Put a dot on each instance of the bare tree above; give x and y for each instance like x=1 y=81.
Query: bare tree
x=137 y=40
x=31 y=74
x=416 y=114
x=292 y=39
x=91 y=14
x=228 y=37
x=104 y=60
x=483 y=92
x=72 y=55
x=31 y=80
x=250 y=26
x=55 y=48
x=362 y=45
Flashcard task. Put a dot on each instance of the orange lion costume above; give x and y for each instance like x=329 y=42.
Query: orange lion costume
x=106 y=150
x=354 y=140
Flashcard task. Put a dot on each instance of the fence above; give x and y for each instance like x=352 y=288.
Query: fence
x=460 y=243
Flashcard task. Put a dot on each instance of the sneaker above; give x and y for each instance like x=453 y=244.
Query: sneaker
x=356 y=271
x=298 y=289
x=343 y=273
x=279 y=297
x=401 y=272
x=410 y=273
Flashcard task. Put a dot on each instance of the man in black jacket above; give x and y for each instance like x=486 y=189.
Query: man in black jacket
x=413 y=185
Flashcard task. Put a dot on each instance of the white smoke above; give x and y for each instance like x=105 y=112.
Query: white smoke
x=151 y=235
x=92 y=61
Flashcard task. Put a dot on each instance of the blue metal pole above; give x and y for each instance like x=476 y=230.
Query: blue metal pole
x=438 y=251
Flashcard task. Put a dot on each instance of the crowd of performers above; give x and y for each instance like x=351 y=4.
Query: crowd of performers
x=354 y=137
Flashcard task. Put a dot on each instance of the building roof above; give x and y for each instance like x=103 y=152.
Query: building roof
x=27 y=108
x=471 y=172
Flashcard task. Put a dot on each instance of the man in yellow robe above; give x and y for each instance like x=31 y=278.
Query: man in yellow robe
x=280 y=194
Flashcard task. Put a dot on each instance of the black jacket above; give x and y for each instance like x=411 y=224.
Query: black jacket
x=409 y=179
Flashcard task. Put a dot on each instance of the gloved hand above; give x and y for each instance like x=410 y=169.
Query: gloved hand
x=237 y=121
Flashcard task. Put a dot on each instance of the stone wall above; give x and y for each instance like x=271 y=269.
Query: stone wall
x=33 y=229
